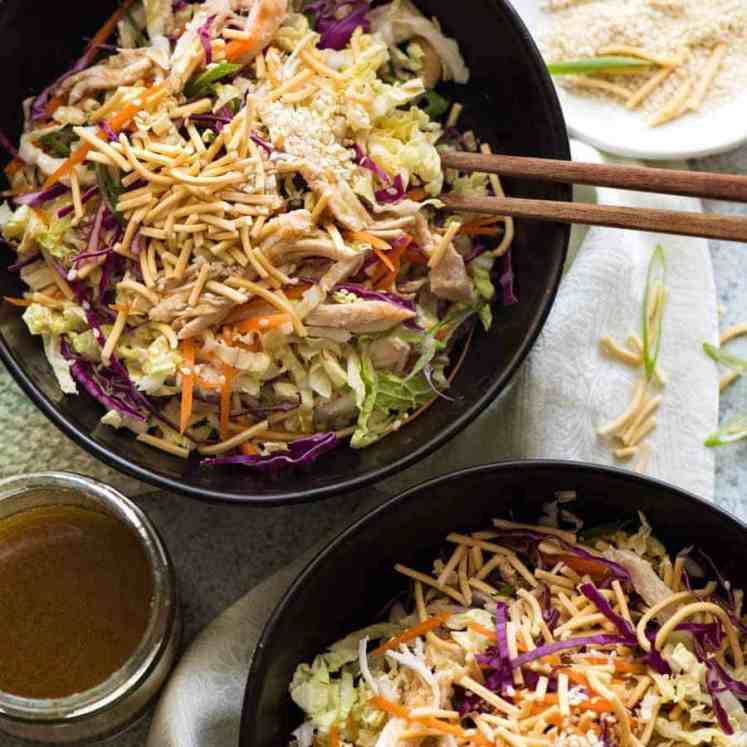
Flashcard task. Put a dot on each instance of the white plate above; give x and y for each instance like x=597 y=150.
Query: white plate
x=614 y=129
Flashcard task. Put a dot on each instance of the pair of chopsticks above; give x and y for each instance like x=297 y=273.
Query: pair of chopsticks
x=664 y=181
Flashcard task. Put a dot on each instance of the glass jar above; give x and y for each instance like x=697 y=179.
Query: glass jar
x=121 y=699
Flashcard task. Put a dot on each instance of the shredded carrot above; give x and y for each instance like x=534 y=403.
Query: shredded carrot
x=13 y=167
x=225 y=400
x=598 y=706
x=387 y=281
x=188 y=383
x=577 y=677
x=18 y=301
x=399 y=711
x=117 y=124
x=620 y=665
x=582 y=566
x=482 y=630
x=263 y=323
x=296 y=291
x=384 y=259
x=123 y=307
x=108 y=28
x=334 y=736
x=368 y=238
x=417 y=194
x=249 y=448
x=555 y=719
x=424 y=627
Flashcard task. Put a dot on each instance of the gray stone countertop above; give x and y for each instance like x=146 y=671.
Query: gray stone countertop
x=220 y=552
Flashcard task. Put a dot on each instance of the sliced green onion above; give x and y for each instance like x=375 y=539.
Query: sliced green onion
x=733 y=430
x=651 y=320
x=435 y=105
x=725 y=358
x=110 y=188
x=57 y=143
x=202 y=84
x=597 y=65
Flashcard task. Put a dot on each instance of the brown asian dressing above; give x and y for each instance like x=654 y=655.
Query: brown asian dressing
x=75 y=595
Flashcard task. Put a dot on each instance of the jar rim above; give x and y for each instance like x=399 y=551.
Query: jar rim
x=163 y=602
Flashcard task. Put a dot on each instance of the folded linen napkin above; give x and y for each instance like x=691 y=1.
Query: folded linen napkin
x=564 y=392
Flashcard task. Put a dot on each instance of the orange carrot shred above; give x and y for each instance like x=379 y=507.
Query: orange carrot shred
x=249 y=448
x=368 y=238
x=384 y=259
x=382 y=704
x=424 y=627
x=263 y=323
x=13 y=167
x=118 y=123
x=188 y=383
x=482 y=630
x=18 y=301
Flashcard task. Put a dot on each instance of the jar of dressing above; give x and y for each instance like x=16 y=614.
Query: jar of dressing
x=90 y=625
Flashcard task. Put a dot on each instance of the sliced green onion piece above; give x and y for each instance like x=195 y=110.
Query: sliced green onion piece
x=651 y=318
x=435 y=105
x=202 y=84
x=733 y=430
x=725 y=358
x=597 y=65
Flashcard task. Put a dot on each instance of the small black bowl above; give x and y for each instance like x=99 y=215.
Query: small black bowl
x=348 y=584
x=510 y=102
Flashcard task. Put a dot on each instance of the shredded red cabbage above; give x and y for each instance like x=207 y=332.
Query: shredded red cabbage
x=373 y=295
x=34 y=199
x=262 y=144
x=478 y=248
x=592 y=594
x=104 y=384
x=362 y=160
x=89 y=255
x=301 y=453
x=714 y=687
x=549 y=614
x=84 y=198
x=653 y=658
x=95 y=236
x=204 y=34
x=216 y=122
x=335 y=31
x=21 y=263
x=111 y=136
x=527 y=539
x=8 y=146
x=602 y=639
x=710 y=635
x=507 y=280
x=498 y=658
x=393 y=193
x=605 y=737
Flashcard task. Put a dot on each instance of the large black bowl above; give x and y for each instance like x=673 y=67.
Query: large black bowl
x=510 y=102
x=347 y=585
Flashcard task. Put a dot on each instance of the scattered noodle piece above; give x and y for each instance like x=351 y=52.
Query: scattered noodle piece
x=639 y=96
x=612 y=349
x=586 y=81
x=675 y=106
x=709 y=74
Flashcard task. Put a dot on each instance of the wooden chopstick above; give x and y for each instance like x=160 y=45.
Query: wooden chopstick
x=730 y=187
x=704 y=225
x=690 y=183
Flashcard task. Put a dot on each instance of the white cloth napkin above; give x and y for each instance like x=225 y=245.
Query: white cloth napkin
x=564 y=392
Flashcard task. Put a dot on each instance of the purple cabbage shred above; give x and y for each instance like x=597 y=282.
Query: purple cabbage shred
x=35 y=199
x=89 y=194
x=507 y=280
x=204 y=34
x=301 y=453
x=336 y=31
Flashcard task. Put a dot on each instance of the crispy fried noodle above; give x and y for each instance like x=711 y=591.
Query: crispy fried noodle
x=230 y=230
x=529 y=636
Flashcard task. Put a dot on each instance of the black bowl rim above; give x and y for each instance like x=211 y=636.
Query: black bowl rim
x=259 y=663
x=556 y=122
